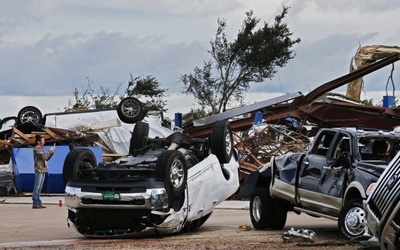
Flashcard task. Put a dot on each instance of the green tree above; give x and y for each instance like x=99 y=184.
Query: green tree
x=88 y=99
x=252 y=57
x=141 y=87
x=147 y=89
x=81 y=100
x=105 y=99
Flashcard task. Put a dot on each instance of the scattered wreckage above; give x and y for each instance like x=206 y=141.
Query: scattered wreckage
x=383 y=207
x=15 y=158
x=261 y=142
x=320 y=109
x=100 y=129
x=165 y=185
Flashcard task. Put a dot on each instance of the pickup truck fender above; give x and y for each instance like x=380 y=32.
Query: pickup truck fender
x=259 y=178
x=354 y=190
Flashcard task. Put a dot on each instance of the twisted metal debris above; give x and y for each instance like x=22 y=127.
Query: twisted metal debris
x=257 y=145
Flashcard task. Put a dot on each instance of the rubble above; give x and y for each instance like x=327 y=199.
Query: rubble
x=257 y=145
x=23 y=136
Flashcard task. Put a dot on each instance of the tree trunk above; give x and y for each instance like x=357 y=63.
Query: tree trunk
x=364 y=57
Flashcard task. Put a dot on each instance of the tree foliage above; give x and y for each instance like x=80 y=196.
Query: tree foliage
x=252 y=57
x=147 y=89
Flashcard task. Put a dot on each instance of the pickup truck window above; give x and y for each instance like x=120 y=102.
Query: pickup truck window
x=374 y=149
x=323 y=143
x=342 y=147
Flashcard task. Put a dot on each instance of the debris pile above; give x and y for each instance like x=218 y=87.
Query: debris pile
x=257 y=145
x=23 y=136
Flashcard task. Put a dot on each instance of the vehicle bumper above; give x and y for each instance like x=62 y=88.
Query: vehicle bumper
x=387 y=226
x=149 y=194
x=390 y=232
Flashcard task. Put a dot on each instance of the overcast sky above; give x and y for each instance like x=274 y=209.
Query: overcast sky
x=49 y=47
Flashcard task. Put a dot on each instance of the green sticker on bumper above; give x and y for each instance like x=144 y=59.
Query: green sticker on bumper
x=111 y=196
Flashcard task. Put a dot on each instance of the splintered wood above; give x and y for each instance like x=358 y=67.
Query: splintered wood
x=258 y=145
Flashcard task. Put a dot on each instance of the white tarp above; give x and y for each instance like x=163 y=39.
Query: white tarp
x=115 y=134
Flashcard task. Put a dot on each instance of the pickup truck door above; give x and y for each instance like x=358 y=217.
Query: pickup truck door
x=321 y=177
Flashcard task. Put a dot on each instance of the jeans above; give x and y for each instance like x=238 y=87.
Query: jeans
x=39 y=179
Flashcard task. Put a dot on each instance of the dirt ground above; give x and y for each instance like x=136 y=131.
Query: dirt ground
x=22 y=227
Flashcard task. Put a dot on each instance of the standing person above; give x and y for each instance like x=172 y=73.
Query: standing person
x=40 y=160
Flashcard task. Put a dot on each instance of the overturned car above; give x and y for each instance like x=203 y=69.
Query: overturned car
x=165 y=184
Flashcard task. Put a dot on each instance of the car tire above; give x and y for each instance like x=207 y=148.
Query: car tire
x=78 y=159
x=29 y=113
x=139 y=137
x=171 y=167
x=130 y=110
x=222 y=141
x=351 y=221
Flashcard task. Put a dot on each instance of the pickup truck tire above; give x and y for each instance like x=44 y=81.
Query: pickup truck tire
x=261 y=209
x=78 y=159
x=280 y=214
x=351 y=221
x=130 y=110
x=267 y=212
x=171 y=167
x=139 y=137
x=222 y=141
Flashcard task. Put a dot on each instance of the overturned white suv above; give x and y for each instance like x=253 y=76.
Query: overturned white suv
x=165 y=184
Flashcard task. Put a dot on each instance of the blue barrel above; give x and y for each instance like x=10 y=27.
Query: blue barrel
x=388 y=101
x=178 y=120
x=258 y=117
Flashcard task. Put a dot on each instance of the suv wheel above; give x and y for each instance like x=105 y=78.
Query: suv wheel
x=76 y=162
x=130 y=110
x=351 y=220
x=139 y=138
x=29 y=113
x=171 y=167
x=222 y=141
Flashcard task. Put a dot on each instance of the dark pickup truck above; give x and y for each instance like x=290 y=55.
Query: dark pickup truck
x=329 y=180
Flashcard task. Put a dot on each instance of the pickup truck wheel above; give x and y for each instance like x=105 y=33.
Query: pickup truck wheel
x=139 y=137
x=171 y=167
x=222 y=141
x=78 y=160
x=29 y=113
x=261 y=209
x=280 y=214
x=130 y=110
x=352 y=222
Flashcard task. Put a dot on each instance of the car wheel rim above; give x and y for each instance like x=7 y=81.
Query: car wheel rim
x=177 y=174
x=256 y=208
x=29 y=115
x=228 y=143
x=131 y=108
x=355 y=221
